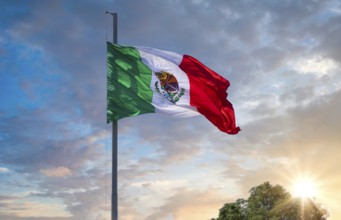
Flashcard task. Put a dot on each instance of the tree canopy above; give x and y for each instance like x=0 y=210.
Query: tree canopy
x=268 y=202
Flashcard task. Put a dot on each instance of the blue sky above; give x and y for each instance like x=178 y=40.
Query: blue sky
x=282 y=59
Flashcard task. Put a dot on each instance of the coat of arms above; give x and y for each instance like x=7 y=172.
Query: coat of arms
x=168 y=86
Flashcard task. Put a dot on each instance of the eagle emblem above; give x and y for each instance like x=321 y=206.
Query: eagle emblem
x=168 y=86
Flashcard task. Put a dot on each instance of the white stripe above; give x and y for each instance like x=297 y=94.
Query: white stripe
x=167 y=55
x=157 y=61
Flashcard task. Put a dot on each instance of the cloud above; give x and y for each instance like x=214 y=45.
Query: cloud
x=189 y=204
x=22 y=207
x=56 y=172
x=4 y=170
x=86 y=196
x=315 y=65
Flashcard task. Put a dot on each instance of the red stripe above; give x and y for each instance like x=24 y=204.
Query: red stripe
x=208 y=94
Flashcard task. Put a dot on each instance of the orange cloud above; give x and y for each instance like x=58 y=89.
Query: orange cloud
x=56 y=172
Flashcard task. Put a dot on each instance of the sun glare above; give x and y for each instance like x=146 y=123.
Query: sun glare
x=304 y=188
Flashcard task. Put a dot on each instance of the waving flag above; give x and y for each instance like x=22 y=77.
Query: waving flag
x=144 y=80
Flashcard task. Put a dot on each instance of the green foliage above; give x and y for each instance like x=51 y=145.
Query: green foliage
x=268 y=202
x=263 y=198
x=286 y=209
x=233 y=211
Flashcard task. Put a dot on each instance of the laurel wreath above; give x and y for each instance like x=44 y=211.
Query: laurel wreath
x=172 y=98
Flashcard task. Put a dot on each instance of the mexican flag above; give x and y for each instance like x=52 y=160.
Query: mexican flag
x=144 y=80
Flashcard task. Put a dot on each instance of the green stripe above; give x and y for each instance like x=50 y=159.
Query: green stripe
x=128 y=81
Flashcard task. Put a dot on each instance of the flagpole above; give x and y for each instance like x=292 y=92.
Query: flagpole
x=114 y=195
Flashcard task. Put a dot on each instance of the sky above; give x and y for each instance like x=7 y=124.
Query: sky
x=282 y=59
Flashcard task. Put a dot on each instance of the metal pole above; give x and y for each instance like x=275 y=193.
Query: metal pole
x=114 y=195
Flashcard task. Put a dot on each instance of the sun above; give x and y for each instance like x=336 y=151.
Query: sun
x=305 y=187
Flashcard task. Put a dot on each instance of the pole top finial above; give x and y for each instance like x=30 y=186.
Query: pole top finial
x=111 y=13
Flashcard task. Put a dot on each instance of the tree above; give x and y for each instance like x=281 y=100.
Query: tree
x=295 y=208
x=268 y=202
x=263 y=198
x=233 y=211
